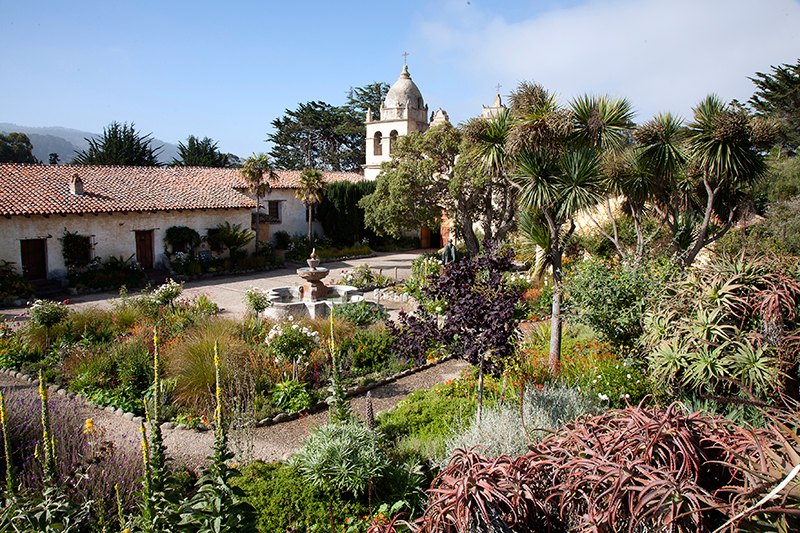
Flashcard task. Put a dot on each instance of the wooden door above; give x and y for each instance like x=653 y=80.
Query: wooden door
x=144 y=248
x=33 y=253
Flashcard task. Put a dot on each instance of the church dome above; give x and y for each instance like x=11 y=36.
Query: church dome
x=404 y=93
x=404 y=100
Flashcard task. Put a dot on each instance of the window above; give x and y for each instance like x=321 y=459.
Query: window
x=274 y=211
x=392 y=140
x=377 y=147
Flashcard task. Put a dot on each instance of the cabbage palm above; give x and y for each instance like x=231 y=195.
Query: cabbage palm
x=558 y=168
x=312 y=185
x=256 y=169
x=724 y=144
x=233 y=237
x=659 y=178
x=559 y=186
x=602 y=122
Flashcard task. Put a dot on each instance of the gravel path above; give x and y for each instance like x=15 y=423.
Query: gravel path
x=189 y=448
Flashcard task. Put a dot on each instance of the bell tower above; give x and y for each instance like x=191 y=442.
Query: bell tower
x=402 y=111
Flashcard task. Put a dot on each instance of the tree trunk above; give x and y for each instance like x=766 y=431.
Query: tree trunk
x=703 y=232
x=309 y=225
x=555 y=313
x=258 y=218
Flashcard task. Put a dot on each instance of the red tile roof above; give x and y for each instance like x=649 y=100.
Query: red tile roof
x=44 y=189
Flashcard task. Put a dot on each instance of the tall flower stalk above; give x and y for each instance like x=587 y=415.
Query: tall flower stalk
x=6 y=446
x=219 y=506
x=340 y=407
x=48 y=443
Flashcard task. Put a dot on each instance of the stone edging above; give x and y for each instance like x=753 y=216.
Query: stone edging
x=278 y=419
x=55 y=389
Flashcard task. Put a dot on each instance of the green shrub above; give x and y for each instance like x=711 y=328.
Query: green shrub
x=256 y=299
x=76 y=250
x=289 y=341
x=342 y=458
x=291 y=396
x=339 y=213
x=46 y=313
x=90 y=326
x=285 y=501
x=368 y=350
x=12 y=285
x=611 y=296
x=181 y=239
x=282 y=240
x=135 y=364
x=12 y=352
x=361 y=313
x=98 y=371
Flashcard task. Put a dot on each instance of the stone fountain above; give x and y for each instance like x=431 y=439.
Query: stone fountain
x=313 y=298
x=313 y=289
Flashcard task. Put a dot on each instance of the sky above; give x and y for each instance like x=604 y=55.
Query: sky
x=226 y=70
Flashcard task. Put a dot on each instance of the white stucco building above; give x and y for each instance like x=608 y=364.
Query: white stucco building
x=126 y=211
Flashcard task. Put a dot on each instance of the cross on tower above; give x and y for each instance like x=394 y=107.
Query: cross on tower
x=498 y=88
x=405 y=57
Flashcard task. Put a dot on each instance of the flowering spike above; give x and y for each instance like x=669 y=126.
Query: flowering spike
x=6 y=446
x=156 y=378
x=218 y=378
x=47 y=439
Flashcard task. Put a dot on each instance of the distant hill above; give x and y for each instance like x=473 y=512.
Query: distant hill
x=65 y=141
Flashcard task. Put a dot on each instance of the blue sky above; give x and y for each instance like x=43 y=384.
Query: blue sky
x=226 y=70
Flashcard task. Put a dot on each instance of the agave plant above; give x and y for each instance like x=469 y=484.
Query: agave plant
x=487 y=494
x=637 y=468
x=731 y=322
x=766 y=495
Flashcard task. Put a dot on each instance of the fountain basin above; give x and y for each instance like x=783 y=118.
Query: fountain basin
x=292 y=300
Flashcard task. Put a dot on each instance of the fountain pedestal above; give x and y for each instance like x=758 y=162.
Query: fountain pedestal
x=313 y=298
x=313 y=289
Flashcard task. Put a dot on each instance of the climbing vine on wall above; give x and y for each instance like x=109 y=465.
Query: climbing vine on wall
x=76 y=250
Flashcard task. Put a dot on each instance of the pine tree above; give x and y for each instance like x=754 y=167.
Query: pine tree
x=778 y=96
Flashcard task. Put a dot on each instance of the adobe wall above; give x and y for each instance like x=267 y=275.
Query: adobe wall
x=293 y=214
x=113 y=234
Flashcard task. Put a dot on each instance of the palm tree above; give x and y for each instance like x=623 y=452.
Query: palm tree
x=725 y=145
x=312 y=185
x=233 y=237
x=256 y=169
x=558 y=186
x=604 y=123
x=657 y=175
x=493 y=194
x=559 y=171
